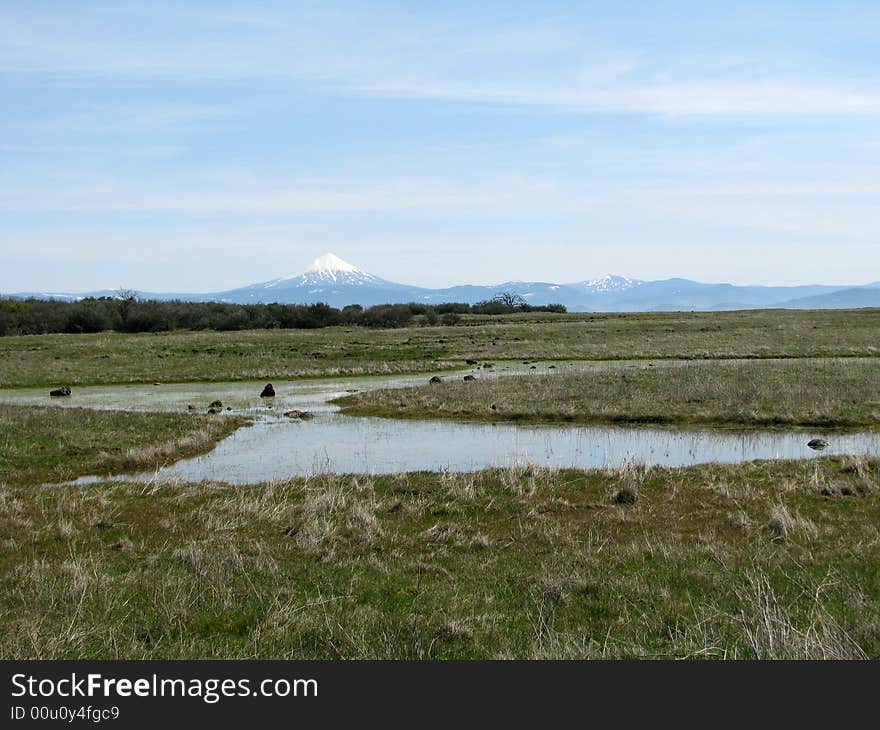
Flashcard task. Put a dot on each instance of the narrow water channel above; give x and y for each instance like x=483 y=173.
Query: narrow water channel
x=273 y=447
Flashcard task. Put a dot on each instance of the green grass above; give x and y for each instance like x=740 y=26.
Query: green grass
x=108 y=358
x=47 y=444
x=770 y=560
x=843 y=392
x=766 y=560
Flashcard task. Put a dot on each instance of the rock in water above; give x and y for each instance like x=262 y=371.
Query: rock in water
x=62 y=391
x=469 y=377
x=216 y=404
x=268 y=391
x=817 y=444
x=436 y=379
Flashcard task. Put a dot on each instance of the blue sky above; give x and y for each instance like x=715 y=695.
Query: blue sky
x=194 y=146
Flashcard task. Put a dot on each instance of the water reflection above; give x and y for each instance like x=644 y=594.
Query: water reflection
x=273 y=448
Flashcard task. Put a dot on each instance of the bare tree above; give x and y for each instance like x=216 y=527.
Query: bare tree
x=510 y=299
x=125 y=298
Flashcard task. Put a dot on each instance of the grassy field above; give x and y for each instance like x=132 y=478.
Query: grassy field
x=49 y=360
x=776 y=560
x=762 y=560
x=793 y=392
x=45 y=444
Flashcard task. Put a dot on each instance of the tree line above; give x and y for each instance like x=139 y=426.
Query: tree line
x=127 y=313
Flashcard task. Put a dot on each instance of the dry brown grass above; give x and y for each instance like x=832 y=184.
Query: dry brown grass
x=798 y=392
x=523 y=562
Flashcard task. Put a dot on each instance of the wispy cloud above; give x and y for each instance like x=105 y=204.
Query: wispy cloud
x=538 y=66
x=631 y=141
x=716 y=98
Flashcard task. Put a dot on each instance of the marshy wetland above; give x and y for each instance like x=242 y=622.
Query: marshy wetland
x=615 y=485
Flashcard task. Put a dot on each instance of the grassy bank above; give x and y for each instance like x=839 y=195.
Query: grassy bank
x=797 y=392
x=46 y=360
x=773 y=560
x=49 y=444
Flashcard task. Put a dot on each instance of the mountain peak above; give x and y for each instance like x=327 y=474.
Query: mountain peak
x=611 y=282
x=326 y=270
x=330 y=264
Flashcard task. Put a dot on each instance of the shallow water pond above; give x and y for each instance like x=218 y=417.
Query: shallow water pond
x=274 y=447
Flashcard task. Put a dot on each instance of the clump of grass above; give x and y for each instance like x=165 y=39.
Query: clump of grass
x=868 y=481
x=65 y=530
x=785 y=524
x=738 y=520
x=337 y=510
x=480 y=542
x=629 y=478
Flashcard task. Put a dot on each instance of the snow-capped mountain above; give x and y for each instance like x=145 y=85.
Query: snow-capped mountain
x=326 y=270
x=609 y=283
x=338 y=283
x=329 y=279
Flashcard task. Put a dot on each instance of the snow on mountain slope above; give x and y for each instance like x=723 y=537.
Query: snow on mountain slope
x=609 y=283
x=326 y=270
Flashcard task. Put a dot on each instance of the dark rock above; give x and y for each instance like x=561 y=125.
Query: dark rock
x=300 y=415
x=216 y=404
x=533 y=367
x=470 y=361
x=493 y=407
x=213 y=411
x=190 y=407
x=268 y=391
x=551 y=367
x=64 y=390
x=436 y=379
x=469 y=377
x=488 y=366
x=626 y=495
x=817 y=444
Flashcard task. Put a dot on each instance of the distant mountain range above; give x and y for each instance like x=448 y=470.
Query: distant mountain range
x=339 y=283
